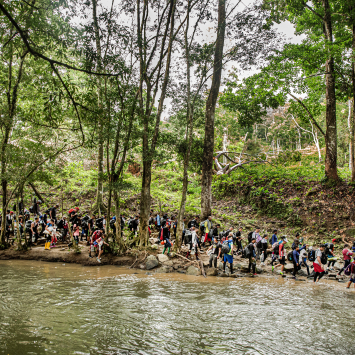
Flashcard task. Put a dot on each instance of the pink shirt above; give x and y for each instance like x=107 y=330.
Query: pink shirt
x=347 y=254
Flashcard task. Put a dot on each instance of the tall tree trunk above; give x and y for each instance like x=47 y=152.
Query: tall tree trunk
x=352 y=125
x=331 y=120
x=99 y=206
x=188 y=137
x=208 y=150
x=120 y=242
x=149 y=149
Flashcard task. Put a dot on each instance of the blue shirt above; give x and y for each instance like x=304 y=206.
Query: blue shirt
x=296 y=255
x=273 y=239
x=158 y=220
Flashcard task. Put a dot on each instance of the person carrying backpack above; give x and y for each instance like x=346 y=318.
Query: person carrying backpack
x=215 y=250
x=274 y=237
x=331 y=256
x=228 y=255
x=282 y=255
x=303 y=259
x=319 y=262
x=206 y=237
x=347 y=257
x=250 y=253
x=258 y=245
x=296 y=259
x=352 y=274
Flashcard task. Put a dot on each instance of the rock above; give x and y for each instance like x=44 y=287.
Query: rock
x=181 y=271
x=172 y=254
x=222 y=274
x=151 y=262
x=148 y=273
x=212 y=272
x=141 y=266
x=192 y=270
x=205 y=263
x=244 y=269
x=258 y=271
x=220 y=265
x=339 y=277
x=168 y=263
x=164 y=270
x=302 y=273
x=162 y=258
x=154 y=247
x=288 y=268
x=234 y=276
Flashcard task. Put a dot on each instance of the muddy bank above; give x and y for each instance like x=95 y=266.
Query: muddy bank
x=154 y=262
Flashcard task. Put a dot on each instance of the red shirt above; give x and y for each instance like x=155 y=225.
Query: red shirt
x=347 y=254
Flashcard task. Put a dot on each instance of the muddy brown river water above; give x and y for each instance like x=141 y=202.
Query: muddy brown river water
x=54 y=308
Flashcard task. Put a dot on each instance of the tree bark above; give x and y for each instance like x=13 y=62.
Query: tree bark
x=149 y=149
x=189 y=136
x=208 y=150
x=352 y=125
x=99 y=206
x=331 y=172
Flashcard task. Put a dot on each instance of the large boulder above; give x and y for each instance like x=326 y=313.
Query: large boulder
x=168 y=263
x=151 y=262
x=338 y=265
x=212 y=272
x=162 y=258
x=192 y=270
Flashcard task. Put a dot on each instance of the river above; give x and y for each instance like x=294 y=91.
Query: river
x=53 y=308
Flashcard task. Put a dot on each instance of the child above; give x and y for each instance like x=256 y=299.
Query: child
x=49 y=237
x=352 y=274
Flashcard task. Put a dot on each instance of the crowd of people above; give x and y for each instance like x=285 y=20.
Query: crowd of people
x=224 y=245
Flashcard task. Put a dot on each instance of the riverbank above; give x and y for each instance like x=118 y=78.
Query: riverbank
x=154 y=262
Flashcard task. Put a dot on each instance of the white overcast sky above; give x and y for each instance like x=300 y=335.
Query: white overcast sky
x=285 y=28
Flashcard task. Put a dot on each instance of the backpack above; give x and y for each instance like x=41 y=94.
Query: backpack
x=71 y=210
x=112 y=223
x=202 y=227
x=270 y=240
x=247 y=252
x=99 y=223
x=47 y=211
x=28 y=224
x=258 y=244
x=323 y=258
x=31 y=209
x=347 y=271
x=225 y=248
x=290 y=256
x=250 y=235
x=311 y=255
x=276 y=249
x=130 y=223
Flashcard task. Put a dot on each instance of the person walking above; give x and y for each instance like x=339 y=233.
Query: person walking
x=264 y=243
x=215 y=252
x=228 y=257
x=352 y=275
x=296 y=259
x=347 y=257
x=206 y=237
x=257 y=236
x=251 y=255
x=274 y=237
x=318 y=265
x=303 y=259
x=282 y=255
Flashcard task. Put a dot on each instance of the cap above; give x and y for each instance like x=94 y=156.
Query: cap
x=334 y=240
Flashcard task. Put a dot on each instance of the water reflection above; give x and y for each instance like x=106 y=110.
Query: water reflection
x=70 y=309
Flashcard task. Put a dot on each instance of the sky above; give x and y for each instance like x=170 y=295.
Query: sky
x=285 y=28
